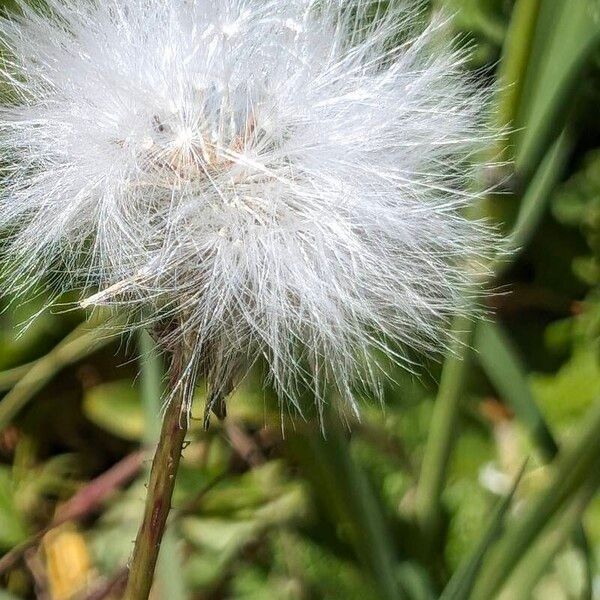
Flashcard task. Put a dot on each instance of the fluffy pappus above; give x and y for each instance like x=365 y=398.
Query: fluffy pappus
x=283 y=181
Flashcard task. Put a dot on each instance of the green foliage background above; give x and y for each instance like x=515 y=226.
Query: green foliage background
x=479 y=477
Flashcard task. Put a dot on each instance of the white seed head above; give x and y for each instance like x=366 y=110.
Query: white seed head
x=283 y=180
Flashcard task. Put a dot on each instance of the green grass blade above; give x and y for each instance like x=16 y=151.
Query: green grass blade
x=442 y=431
x=568 y=32
x=503 y=367
x=514 y=69
x=345 y=493
x=461 y=584
x=515 y=62
x=84 y=340
x=575 y=465
x=556 y=535
x=534 y=203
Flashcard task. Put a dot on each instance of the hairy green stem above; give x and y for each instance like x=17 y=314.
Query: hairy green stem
x=160 y=486
x=152 y=387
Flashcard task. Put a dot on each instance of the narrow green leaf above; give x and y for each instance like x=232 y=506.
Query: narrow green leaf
x=346 y=494
x=515 y=61
x=81 y=342
x=568 y=32
x=575 y=465
x=461 y=584
x=536 y=199
x=554 y=538
x=503 y=367
x=10 y=377
x=442 y=431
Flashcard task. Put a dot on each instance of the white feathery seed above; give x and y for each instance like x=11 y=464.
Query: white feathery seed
x=283 y=181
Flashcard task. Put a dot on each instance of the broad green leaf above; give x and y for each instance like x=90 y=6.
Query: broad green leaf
x=116 y=407
x=566 y=395
x=13 y=529
x=218 y=536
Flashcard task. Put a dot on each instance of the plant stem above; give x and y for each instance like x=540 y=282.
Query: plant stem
x=442 y=430
x=160 y=487
x=515 y=59
x=152 y=387
x=534 y=202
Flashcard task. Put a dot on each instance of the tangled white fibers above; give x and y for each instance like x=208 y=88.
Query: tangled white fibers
x=277 y=180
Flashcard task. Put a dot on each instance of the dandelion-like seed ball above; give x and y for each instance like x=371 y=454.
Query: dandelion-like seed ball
x=277 y=181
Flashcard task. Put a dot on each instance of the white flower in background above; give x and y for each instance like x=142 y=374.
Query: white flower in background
x=279 y=180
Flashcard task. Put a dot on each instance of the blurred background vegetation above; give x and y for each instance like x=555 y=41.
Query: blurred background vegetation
x=477 y=479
